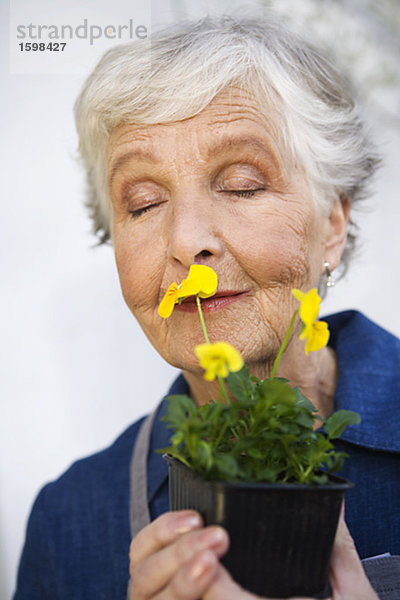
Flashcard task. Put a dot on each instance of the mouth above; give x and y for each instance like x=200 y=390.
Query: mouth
x=216 y=302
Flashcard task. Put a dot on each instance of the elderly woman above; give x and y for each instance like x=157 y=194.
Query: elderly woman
x=236 y=145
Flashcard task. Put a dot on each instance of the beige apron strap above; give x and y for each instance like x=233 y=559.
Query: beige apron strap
x=139 y=513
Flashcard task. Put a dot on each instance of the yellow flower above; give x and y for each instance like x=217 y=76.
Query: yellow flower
x=201 y=280
x=316 y=333
x=218 y=359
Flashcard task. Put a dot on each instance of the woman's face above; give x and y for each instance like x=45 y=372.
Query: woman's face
x=215 y=189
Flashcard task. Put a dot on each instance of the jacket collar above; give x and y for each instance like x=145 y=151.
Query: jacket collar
x=368 y=379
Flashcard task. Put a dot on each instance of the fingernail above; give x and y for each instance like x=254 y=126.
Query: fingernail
x=185 y=523
x=212 y=537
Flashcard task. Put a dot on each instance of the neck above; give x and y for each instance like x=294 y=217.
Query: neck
x=314 y=374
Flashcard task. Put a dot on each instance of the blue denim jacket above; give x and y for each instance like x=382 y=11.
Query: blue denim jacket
x=77 y=540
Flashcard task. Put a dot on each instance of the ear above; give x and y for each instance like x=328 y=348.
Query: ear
x=337 y=231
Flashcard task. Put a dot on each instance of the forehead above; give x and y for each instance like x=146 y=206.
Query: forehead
x=233 y=120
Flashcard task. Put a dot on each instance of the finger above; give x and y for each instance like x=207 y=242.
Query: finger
x=344 y=559
x=193 y=579
x=346 y=574
x=161 y=532
x=156 y=571
x=223 y=586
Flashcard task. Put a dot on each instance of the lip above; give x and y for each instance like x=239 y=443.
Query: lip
x=216 y=302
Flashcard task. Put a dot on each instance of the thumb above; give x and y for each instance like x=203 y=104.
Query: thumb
x=224 y=587
x=346 y=575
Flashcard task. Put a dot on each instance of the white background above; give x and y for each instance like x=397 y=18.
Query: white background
x=75 y=368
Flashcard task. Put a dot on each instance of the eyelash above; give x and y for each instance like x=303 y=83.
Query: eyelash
x=140 y=211
x=244 y=193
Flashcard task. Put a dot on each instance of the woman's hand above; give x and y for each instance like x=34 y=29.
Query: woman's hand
x=175 y=558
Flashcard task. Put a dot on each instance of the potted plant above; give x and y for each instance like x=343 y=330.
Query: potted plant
x=253 y=461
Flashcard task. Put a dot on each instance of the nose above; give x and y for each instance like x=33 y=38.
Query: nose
x=193 y=232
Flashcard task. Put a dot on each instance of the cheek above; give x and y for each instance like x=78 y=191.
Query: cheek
x=139 y=267
x=279 y=248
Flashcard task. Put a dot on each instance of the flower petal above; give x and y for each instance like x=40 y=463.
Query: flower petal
x=318 y=337
x=298 y=294
x=201 y=280
x=309 y=305
x=167 y=304
x=218 y=359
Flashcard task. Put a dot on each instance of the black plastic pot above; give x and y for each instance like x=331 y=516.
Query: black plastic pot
x=281 y=535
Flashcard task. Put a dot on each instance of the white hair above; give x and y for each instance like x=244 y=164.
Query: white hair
x=178 y=71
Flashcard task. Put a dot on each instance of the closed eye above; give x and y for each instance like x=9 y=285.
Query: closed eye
x=244 y=193
x=141 y=211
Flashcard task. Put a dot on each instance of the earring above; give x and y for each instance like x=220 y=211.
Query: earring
x=330 y=280
x=327 y=281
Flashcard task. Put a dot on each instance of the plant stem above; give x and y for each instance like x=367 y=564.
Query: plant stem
x=283 y=345
x=203 y=325
x=202 y=319
x=223 y=388
x=221 y=434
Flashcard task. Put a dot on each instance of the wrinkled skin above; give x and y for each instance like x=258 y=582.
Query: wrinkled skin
x=215 y=189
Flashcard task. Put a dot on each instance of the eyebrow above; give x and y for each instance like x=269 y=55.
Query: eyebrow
x=138 y=153
x=226 y=143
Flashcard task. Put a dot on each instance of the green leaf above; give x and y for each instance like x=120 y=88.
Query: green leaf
x=337 y=423
x=255 y=452
x=303 y=401
x=204 y=455
x=178 y=408
x=267 y=474
x=320 y=479
x=175 y=453
x=339 y=458
x=227 y=466
x=240 y=385
x=177 y=438
x=206 y=411
x=277 y=391
x=305 y=419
